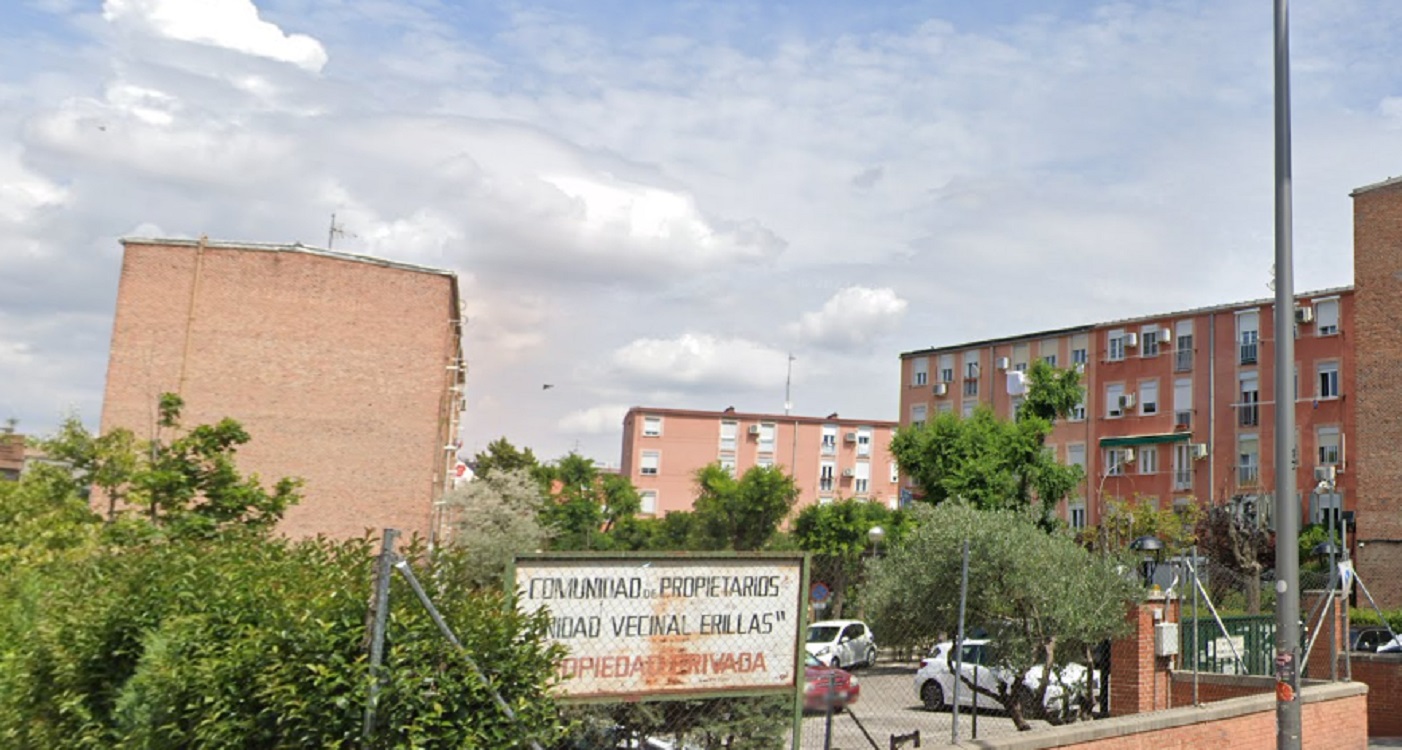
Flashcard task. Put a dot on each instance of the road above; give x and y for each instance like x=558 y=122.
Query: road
x=888 y=706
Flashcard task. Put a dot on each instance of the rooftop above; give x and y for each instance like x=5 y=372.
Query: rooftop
x=731 y=413
x=296 y=247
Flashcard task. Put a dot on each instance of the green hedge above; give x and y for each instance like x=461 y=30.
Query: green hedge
x=1369 y=616
x=246 y=642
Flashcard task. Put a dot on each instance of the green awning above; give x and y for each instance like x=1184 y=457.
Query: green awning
x=1159 y=437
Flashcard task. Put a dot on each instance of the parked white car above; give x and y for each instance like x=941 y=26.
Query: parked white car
x=841 y=644
x=934 y=682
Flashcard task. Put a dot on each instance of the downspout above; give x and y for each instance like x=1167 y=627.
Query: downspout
x=190 y=312
x=1211 y=405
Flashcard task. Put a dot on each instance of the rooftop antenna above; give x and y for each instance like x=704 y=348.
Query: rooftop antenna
x=335 y=231
x=788 y=382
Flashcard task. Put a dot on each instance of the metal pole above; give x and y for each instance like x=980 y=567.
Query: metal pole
x=379 y=618
x=1192 y=566
x=959 y=647
x=1333 y=618
x=1287 y=563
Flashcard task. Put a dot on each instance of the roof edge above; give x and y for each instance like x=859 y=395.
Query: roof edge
x=295 y=247
x=665 y=411
x=1389 y=182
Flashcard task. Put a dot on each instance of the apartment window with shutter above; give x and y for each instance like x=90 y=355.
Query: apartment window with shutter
x=766 y=437
x=1248 y=405
x=917 y=415
x=1020 y=357
x=1149 y=341
x=1148 y=397
x=1328 y=377
x=1248 y=336
x=861 y=482
x=829 y=440
x=1080 y=344
x=652 y=460
x=1183 y=346
x=1182 y=466
x=652 y=426
x=1183 y=403
x=728 y=430
x=946 y=368
x=1326 y=317
x=1115 y=345
x=1078 y=412
x=1329 y=442
x=1148 y=459
x=1113 y=393
x=1248 y=460
x=826 y=471
x=920 y=370
x=648 y=502
x=1076 y=455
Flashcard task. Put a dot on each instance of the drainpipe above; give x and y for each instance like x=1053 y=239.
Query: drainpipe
x=1211 y=403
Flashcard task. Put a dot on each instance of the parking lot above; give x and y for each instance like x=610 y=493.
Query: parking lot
x=889 y=705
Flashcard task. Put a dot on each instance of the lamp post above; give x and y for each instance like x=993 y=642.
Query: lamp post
x=1151 y=547
x=875 y=535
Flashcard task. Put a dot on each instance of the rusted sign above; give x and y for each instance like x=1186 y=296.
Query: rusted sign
x=641 y=627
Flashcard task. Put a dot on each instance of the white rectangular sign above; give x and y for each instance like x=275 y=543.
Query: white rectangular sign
x=643 y=626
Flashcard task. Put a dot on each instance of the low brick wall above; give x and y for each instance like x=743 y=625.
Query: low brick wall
x=1334 y=716
x=1383 y=675
x=1219 y=687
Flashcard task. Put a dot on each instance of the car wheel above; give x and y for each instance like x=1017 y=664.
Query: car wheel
x=836 y=663
x=870 y=660
x=932 y=695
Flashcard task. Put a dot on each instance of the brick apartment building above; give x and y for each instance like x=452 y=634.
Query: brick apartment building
x=346 y=370
x=829 y=458
x=1179 y=407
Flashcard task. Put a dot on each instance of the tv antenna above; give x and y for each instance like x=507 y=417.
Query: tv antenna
x=336 y=230
x=788 y=382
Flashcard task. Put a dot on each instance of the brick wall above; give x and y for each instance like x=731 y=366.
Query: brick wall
x=1218 y=687
x=336 y=366
x=1139 y=681
x=1383 y=675
x=1377 y=273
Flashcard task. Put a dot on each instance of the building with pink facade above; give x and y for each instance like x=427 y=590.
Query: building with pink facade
x=829 y=458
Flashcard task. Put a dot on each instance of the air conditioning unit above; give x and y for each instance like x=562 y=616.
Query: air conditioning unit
x=941 y=389
x=1002 y=363
x=1127 y=401
x=849 y=472
x=850 y=437
x=1304 y=314
x=1128 y=456
x=1199 y=450
x=754 y=429
x=1324 y=473
x=1165 y=335
x=1131 y=339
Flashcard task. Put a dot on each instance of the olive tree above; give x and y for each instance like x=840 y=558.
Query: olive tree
x=1044 y=600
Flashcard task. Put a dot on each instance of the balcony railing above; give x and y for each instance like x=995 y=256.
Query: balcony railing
x=1248 y=475
x=1248 y=353
x=1183 y=479
x=1248 y=415
x=1183 y=360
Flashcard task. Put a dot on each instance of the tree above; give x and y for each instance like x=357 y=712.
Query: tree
x=494 y=518
x=1232 y=539
x=1044 y=600
x=1051 y=393
x=837 y=535
x=1125 y=521
x=501 y=455
x=741 y=514
x=586 y=504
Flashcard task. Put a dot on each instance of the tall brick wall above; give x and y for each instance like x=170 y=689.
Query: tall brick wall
x=337 y=367
x=1383 y=675
x=1377 y=264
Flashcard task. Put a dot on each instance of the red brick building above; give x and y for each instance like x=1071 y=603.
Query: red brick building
x=829 y=458
x=346 y=370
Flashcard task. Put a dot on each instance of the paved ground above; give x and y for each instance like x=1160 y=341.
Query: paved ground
x=1384 y=742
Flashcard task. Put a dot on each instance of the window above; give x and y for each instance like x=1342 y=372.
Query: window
x=1183 y=403
x=652 y=426
x=946 y=368
x=917 y=415
x=1248 y=407
x=1182 y=466
x=1116 y=459
x=970 y=387
x=1047 y=350
x=861 y=482
x=1328 y=379
x=1020 y=357
x=895 y=473
x=765 y=462
x=971 y=372
x=944 y=407
x=1078 y=412
x=920 y=370
x=648 y=500
x=1330 y=504
x=728 y=431
x=1183 y=348
x=1148 y=459
x=829 y=447
x=1330 y=443
x=1247 y=335
x=1113 y=393
x=1248 y=460
x=968 y=408
x=825 y=500
x=651 y=461
x=1076 y=455
x=826 y=471
x=1079 y=345
x=1115 y=345
x=1149 y=341
x=863 y=441
x=1077 y=513
x=766 y=437
x=1148 y=397
x=1326 y=317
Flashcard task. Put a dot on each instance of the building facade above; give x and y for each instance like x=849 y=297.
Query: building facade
x=1178 y=408
x=346 y=370
x=829 y=458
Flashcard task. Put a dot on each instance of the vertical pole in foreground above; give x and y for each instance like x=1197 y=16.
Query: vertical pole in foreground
x=383 y=572
x=959 y=649
x=1287 y=523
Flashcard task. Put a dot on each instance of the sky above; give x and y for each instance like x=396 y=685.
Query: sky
x=657 y=202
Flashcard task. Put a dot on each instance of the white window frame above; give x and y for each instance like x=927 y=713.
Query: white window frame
x=827 y=476
x=1080 y=349
x=1147 y=459
x=946 y=368
x=768 y=431
x=1148 y=397
x=1115 y=462
x=967 y=408
x=1322 y=324
x=1329 y=446
x=1326 y=380
x=895 y=473
x=652 y=426
x=647 y=500
x=918 y=414
x=1182 y=466
x=656 y=464
x=861 y=479
x=1076 y=455
x=864 y=438
x=1183 y=402
x=1149 y=341
x=1115 y=345
x=920 y=371
x=829 y=440
x=1248 y=336
x=1248 y=464
x=730 y=441
x=1113 y=392
x=1076 y=514
x=1078 y=412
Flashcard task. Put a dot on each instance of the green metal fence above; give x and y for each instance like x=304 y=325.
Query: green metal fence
x=1253 y=637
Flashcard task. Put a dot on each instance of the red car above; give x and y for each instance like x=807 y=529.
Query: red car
x=827 y=686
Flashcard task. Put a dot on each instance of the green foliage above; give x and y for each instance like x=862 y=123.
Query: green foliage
x=1311 y=536
x=1368 y=616
x=1043 y=599
x=501 y=455
x=1051 y=393
x=1125 y=521
x=493 y=518
x=745 y=513
x=245 y=641
x=837 y=535
x=42 y=516
x=987 y=462
x=755 y=723
x=586 y=505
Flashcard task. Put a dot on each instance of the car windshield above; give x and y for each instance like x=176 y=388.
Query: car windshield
x=810 y=660
x=822 y=633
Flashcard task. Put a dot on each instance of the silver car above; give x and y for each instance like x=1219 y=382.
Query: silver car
x=842 y=644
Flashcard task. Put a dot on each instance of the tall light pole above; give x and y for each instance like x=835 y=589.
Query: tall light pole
x=1287 y=529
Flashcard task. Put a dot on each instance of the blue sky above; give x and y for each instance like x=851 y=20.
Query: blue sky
x=652 y=203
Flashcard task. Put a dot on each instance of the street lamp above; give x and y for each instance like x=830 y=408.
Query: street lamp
x=875 y=535
x=1151 y=547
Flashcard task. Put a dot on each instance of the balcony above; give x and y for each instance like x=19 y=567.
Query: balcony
x=1183 y=360
x=1248 y=415
x=1248 y=475
x=1248 y=353
x=1182 y=479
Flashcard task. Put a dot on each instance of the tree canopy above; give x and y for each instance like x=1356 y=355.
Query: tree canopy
x=745 y=513
x=501 y=455
x=837 y=534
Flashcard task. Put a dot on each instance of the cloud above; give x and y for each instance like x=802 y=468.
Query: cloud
x=230 y=24
x=594 y=420
x=855 y=318
x=700 y=361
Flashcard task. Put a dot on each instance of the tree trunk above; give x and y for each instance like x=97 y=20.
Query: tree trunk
x=1253 y=589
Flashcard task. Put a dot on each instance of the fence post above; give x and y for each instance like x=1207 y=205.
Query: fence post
x=379 y=612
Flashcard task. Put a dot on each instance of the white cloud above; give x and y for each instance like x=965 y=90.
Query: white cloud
x=594 y=420
x=22 y=192
x=854 y=318
x=701 y=361
x=231 y=24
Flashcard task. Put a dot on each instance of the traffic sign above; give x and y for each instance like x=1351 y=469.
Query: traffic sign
x=819 y=592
